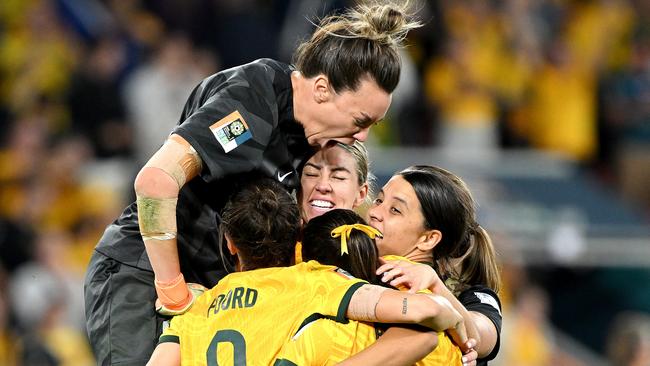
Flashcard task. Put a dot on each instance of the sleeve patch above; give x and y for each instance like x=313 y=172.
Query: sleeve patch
x=487 y=299
x=231 y=131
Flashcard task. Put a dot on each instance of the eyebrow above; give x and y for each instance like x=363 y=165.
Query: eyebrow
x=364 y=121
x=340 y=169
x=315 y=166
x=396 y=198
x=402 y=200
x=335 y=169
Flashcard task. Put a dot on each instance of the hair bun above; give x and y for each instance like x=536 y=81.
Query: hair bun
x=385 y=19
x=383 y=23
x=268 y=201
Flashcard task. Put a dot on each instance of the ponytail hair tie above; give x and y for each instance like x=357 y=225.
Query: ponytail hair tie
x=344 y=232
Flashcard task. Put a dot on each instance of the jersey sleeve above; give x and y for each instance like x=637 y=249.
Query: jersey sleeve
x=232 y=128
x=484 y=301
x=171 y=330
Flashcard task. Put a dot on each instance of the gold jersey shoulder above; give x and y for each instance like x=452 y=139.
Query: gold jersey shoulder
x=250 y=315
x=327 y=342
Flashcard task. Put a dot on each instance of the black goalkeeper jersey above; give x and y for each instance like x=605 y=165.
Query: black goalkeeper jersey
x=240 y=121
x=482 y=299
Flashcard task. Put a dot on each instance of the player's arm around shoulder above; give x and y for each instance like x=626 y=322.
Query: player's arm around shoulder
x=378 y=304
x=413 y=345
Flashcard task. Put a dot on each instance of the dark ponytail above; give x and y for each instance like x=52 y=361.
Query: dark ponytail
x=479 y=266
x=319 y=245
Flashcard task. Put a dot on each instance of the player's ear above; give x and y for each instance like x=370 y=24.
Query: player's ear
x=428 y=240
x=361 y=195
x=322 y=89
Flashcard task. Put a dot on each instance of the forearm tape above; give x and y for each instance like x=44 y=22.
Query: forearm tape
x=178 y=159
x=157 y=218
x=364 y=303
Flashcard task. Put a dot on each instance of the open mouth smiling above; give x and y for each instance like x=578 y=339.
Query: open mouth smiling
x=322 y=204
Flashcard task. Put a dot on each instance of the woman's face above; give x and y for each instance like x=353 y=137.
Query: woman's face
x=397 y=213
x=330 y=180
x=344 y=117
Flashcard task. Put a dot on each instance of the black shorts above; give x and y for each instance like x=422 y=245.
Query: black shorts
x=122 y=324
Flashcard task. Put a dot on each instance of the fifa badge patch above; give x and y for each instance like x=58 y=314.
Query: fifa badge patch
x=231 y=131
x=487 y=299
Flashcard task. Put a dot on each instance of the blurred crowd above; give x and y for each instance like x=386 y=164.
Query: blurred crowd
x=90 y=89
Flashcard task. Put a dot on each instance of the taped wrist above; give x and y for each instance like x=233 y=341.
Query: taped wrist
x=157 y=218
x=173 y=294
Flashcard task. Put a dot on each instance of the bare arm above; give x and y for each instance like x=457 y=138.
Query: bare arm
x=419 y=276
x=478 y=325
x=166 y=354
x=157 y=186
x=487 y=331
x=378 y=304
x=413 y=345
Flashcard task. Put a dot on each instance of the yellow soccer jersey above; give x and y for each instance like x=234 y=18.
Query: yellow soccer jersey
x=446 y=353
x=248 y=316
x=327 y=342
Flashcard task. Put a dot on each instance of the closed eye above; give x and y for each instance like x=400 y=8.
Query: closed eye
x=363 y=122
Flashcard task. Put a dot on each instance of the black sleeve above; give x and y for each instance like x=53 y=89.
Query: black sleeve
x=485 y=301
x=232 y=128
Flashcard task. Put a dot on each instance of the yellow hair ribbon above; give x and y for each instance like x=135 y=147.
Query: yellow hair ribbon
x=344 y=232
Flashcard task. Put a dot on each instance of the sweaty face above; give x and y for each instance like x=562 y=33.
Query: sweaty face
x=347 y=116
x=329 y=180
x=397 y=213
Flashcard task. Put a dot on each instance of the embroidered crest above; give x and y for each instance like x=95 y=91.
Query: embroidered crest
x=231 y=131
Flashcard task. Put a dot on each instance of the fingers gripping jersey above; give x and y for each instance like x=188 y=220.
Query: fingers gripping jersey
x=248 y=316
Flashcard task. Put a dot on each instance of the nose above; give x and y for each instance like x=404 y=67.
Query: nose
x=323 y=185
x=362 y=135
x=374 y=213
